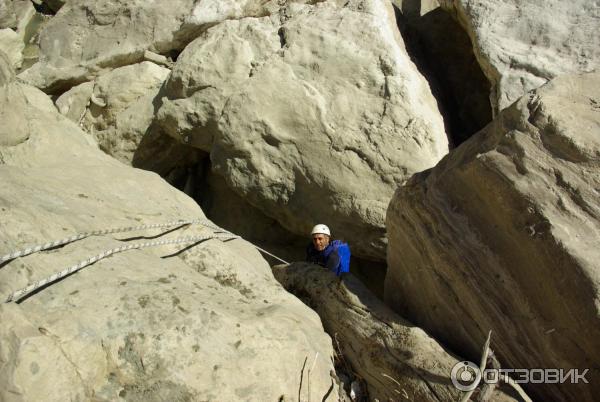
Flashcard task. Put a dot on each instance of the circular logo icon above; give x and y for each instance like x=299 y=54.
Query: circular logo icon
x=465 y=375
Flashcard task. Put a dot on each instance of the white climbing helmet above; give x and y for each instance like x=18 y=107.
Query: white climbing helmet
x=320 y=228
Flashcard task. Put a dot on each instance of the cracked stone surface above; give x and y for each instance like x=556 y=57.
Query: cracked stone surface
x=503 y=234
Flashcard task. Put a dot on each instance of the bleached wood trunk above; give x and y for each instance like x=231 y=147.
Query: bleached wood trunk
x=376 y=341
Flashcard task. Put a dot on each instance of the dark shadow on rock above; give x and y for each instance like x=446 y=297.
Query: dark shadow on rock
x=176 y=253
x=156 y=236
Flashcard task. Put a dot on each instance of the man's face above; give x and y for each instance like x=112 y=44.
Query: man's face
x=320 y=241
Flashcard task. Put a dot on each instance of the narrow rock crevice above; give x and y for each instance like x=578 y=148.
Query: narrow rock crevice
x=281 y=34
x=173 y=54
x=232 y=212
x=443 y=54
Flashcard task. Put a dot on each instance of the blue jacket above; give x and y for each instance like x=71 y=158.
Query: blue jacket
x=328 y=258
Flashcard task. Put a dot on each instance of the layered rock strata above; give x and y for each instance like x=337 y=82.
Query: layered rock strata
x=502 y=234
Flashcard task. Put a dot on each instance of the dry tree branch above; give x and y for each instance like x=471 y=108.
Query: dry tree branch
x=301 y=377
x=505 y=378
x=403 y=393
x=309 y=370
x=487 y=389
x=486 y=350
x=516 y=387
x=339 y=351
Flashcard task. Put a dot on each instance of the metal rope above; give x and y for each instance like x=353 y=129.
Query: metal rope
x=79 y=236
x=19 y=294
x=266 y=252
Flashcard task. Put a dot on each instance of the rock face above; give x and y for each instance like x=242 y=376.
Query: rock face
x=74 y=103
x=521 y=45
x=7 y=73
x=205 y=323
x=18 y=21
x=8 y=18
x=12 y=46
x=25 y=110
x=15 y=14
x=85 y=38
x=502 y=234
x=118 y=107
x=313 y=113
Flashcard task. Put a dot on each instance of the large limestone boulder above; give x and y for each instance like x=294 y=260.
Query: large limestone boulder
x=26 y=111
x=7 y=73
x=16 y=14
x=8 y=18
x=390 y=354
x=204 y=323
x=18 y=21
x=521 y=45
x=118 y=107
x=315 y=113
x=20 y=24
x=74 y=103
x=503 y=234
x=86 y=38
x=12 y=46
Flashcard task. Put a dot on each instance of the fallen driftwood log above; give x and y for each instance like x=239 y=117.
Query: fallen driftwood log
x=397 y=360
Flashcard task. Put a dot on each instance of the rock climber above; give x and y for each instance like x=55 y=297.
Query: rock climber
x=323 y=250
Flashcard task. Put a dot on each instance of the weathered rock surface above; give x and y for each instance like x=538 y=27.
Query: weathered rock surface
x=74 y=103
x=374 y=340
x=118 y=107
x=24 y=111
x=315 y=113
x=208 y=323
x=18 y=21
x=503 y=234
x=15 y=14
x=521 y=45
x=87 y=38
x=7 y=73
x=7 y=14
x=12 y=46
